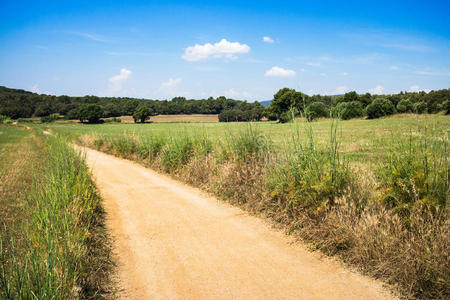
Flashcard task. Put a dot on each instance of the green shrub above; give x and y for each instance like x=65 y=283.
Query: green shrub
x=49 y=119
x=91 y=113
x=348 y=110
x=445 y=106
x=5 y=119
x=417 y=173
x=380 y=107
x=309 y=180
x=404 y=106
x=177 y=153
x=420 y=107
x=316 y=110
x=289 y=115
x=248 y=144
x=142 y=114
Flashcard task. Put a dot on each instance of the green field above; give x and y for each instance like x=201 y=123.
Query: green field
x=361 y=140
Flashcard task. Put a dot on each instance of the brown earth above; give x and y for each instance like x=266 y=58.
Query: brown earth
x=172 y=241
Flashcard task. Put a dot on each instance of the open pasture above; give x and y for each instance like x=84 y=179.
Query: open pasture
x=361 y=140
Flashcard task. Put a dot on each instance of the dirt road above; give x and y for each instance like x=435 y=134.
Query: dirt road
x=175 y=242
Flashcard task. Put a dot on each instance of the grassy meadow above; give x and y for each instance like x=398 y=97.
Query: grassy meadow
x=372 y=192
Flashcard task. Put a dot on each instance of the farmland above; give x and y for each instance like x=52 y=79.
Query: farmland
x=372 y=192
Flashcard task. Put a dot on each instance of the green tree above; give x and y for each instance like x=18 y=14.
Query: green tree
x=316 y=110
x=91 y=113
x=348 y=110
x=380 y=107
x=142 y=114
x=404 y=106
x=351 y=96
x=286 y=99
x=420 y=107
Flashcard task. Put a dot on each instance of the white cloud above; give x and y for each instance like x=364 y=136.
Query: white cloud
x=323 y=74
x=268 y=39
x=279 y=72
x=302 y=70
x=393 y=68
x=340 y=90
x=344 y=73
x=117 y=81
x=313 y=64
x=222 y=49
x=35 y=89
x=379 y=89
x=416 y=89
x=169 y=87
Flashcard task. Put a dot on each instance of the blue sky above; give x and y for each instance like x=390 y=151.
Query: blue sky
x=240 y=49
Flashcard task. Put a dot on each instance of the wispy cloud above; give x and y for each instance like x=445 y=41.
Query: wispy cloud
x=134 y=53
x=268 y=39
x=170 y=87
x=313 y=64
x=90 y=36
x=394 y=68
x=388 y=40
x=431 y=73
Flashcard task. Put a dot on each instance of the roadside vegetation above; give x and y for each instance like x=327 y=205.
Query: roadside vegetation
x=378 y=200
x=53 y=244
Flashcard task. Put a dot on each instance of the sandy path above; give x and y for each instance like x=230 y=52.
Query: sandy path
x=174 y=242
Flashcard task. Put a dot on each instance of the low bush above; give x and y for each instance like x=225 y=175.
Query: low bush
x=5 y=120
x=380 y=107
x=405 y=106
x=420 y=107
x=50 y=118
x=316 y=110
x=348 y=110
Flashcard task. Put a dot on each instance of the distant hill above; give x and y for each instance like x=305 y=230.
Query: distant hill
x=265 y=103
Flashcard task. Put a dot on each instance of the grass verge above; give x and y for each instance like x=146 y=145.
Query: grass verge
x=57 y=247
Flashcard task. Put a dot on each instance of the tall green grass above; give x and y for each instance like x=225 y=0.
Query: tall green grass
x=61 y=250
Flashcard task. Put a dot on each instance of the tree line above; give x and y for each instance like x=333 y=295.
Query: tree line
x=15 y=103
x=289 y=103
x=286 y=104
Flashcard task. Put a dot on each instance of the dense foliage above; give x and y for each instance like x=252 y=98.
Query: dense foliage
x=16 y=104
x=91 y=113
x=142 y=114
x=352 y=105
